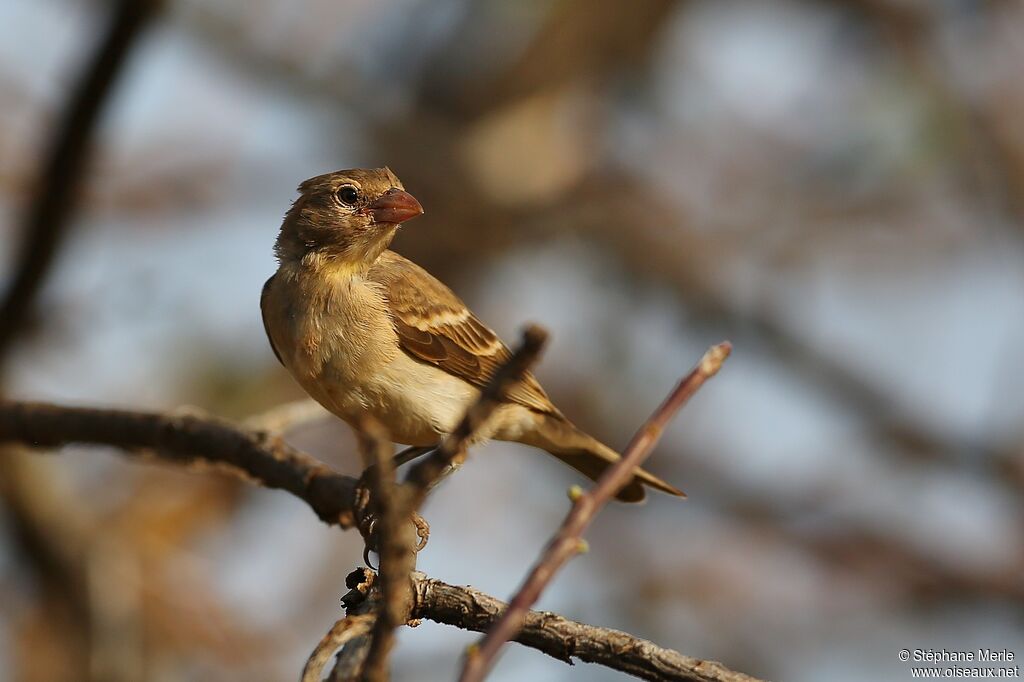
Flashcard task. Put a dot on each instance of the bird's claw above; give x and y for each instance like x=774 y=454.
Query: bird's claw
x=367 y=518
x=422 y=531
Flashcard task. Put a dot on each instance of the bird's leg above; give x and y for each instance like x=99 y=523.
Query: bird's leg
x=449 y=469
x=415 y=451
x=366 y=518
x=410 y=453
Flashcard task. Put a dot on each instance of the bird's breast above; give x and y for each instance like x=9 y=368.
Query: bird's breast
x=338 y=341
x=330 y=334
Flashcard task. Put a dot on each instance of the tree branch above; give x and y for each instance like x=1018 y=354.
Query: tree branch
x=187 y=438
x=554 y=635
x=569 y=540
x=362 y=599
x=342 y=632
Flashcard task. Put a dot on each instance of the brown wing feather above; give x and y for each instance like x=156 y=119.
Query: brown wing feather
x=435 y=326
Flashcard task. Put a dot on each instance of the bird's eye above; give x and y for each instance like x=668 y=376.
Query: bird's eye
x=348 y=195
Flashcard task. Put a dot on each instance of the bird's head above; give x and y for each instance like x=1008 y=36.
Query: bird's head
x=348 y=217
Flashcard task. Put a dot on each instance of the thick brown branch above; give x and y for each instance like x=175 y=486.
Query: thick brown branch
x=186 y=438
x=549 y=633
x=565 y=639
x=569 y=540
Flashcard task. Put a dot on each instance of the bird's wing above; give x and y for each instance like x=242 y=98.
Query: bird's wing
x=436 y=327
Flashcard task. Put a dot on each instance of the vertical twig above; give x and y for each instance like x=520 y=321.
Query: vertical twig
x=568 y=541
x=396 y=543
x=388 y=527
x=424 y=474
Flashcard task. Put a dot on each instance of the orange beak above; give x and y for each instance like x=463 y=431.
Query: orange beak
x=395 y=206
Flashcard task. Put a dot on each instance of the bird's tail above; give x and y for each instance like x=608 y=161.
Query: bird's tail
x=590 y=457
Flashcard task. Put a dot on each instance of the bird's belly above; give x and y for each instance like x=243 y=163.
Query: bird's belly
x=416 y=403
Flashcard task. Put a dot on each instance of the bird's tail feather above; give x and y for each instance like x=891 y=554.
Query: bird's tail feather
x=591 y=457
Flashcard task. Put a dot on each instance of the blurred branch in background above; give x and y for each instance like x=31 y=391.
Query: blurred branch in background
x=57 y=184
x=55 y=547
x=578 y=41
x=682 y=264
x=992 y=159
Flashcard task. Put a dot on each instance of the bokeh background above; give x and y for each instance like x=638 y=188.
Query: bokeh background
x=836 y=186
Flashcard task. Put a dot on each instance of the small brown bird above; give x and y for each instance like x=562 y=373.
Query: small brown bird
x=363 y=330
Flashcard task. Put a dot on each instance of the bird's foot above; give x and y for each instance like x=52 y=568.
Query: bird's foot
x=367 y=523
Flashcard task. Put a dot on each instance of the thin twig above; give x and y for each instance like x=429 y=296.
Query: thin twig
x=287 y=416
x=569 y=541
x=47 y=215
x=340 y=633
x=428 y=471
x=396 y=547
x=395 y=505
x=187 y=438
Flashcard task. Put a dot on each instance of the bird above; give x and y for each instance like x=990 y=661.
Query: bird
x=365 y=331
